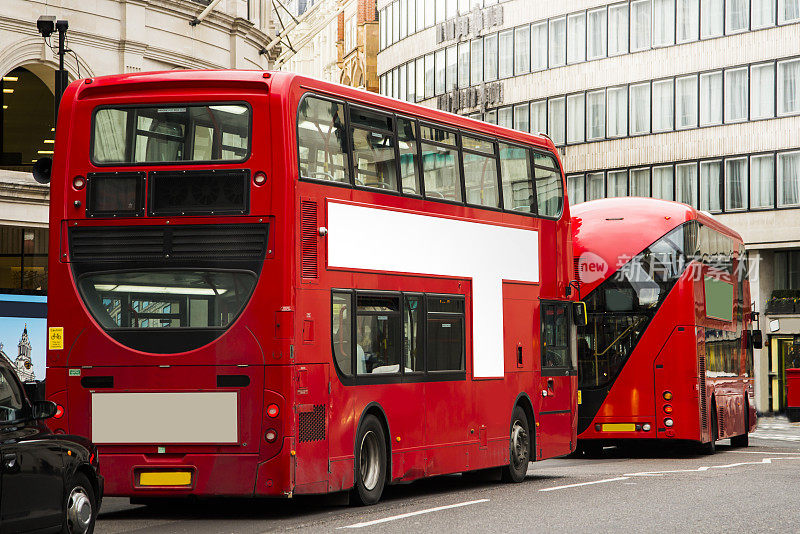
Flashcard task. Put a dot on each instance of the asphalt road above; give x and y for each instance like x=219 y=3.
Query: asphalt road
x=652 y=489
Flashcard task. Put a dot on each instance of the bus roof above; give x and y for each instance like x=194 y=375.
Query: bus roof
x=616 y=229
x=286 y=83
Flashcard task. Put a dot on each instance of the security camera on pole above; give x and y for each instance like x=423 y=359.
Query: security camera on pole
x=46 y=24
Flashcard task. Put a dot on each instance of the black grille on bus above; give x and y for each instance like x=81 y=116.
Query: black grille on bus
x=312 y=424
x=143 y=243
x=703 y=393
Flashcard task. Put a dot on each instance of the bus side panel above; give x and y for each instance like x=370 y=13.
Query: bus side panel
x=312 y=412
x=675 y=370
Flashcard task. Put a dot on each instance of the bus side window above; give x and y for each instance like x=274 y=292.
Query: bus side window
x=322 y=140
x=549 y=189
x=555 y=336
x=515 y=170
x=342 y=331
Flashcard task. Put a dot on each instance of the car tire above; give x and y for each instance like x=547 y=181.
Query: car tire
x=711 y=446
x=519 y=445
x=370 y=461
x=80 y=508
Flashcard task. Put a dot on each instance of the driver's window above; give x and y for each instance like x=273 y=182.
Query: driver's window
x=322 y=140
x=556 y=352
x=11 y=404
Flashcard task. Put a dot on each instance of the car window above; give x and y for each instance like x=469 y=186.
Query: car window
x=11 y=404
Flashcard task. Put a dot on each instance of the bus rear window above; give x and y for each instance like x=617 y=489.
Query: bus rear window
x=171 y=133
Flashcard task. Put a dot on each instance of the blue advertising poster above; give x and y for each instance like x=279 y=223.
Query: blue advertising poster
x=23 y=334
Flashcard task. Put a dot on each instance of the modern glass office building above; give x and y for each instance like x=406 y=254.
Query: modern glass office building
x=690 y=100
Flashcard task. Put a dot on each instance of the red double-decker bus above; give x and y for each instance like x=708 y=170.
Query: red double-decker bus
x=667 y=349
x=270 y=285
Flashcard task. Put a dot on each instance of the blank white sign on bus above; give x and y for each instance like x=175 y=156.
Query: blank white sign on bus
x=360 y=237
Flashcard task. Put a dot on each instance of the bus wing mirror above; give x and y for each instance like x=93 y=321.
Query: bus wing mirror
x=579 y=314
x=756 y=339
x=41 y=170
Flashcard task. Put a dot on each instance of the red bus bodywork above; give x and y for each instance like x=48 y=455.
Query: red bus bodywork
x=278 y=350
x=672 y=372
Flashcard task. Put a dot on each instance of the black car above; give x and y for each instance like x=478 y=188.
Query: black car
x=48 y=482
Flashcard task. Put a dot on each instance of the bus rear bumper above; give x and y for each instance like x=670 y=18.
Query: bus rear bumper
x=202 y=475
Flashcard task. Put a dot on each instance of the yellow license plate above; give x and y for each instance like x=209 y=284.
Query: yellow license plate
x=619 y=427
x=165 y=478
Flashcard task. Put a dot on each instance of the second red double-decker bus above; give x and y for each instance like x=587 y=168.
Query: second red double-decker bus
x=264 y=284
x=667 y=351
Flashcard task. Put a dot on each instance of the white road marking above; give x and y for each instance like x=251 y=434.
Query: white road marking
x=761 y=452
x=705 y=468
x=585 y=483
x=411 y=514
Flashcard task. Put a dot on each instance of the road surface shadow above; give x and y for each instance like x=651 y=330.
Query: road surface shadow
x=654 y=450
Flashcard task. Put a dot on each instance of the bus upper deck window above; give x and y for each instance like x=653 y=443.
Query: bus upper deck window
x=171 y=133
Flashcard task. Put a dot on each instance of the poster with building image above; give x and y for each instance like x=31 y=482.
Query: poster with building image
x=23 y=334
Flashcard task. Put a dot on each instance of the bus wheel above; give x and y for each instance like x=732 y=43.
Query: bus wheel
x=743 y=440
x=519 y=447
x=370 y=461
x=711 y=446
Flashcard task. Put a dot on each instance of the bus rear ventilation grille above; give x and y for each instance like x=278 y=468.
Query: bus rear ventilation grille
x=137 y=243
x=312 y=424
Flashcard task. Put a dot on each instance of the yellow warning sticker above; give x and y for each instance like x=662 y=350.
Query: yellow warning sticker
x=55 y=338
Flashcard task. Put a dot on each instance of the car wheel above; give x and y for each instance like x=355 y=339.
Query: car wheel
x=370 y=470
x=80 y=507
x=711 y=446
x=519 y=445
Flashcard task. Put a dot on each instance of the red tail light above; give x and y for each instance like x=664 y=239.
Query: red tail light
x=59 y=412
x=273 y=410
x=667 y=408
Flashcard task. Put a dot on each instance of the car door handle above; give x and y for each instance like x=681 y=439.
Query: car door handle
x=10 y=463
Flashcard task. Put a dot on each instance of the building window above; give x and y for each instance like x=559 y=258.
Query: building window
x=411 y=96
x=23 y=259
x=789 y=87
x=663 y=101
x=737 y=16
x=490 y=57
x=476 y=61
x=576 y=118
x=686 y=183
x=597 y=33
x=451 y=69
x=412 y=17
x=618 y=29
x=640 y=182
x=558 y=42
x=441 y=71
x=787 y=269
x=382 y=84
x=556 y=128
x=762 y=91
x=788 y=11
x=664 y=182
x=640 y=25
x=420 y=79
x=463 y=7
x=441 y=11
x=538 y=116
x=396 y=84
x=539 y=46
x=402 y=86
x=640 y=109
x=711 y=186
x=430 y=13
x=420 y=14
x=789 y=179
x=522 y=50
x=575 y=189
x=504 y=117
x=762 y=13
x=736 y=95
x=522 y=118
x=735 y=184
x=596 y=114
x=463 y=65
x=403 y=16
x=395 y=22
x=576 y=38
x=688 y=20
x=617 y=184
x=491 y=117
x=710 y=98
x=595 y=185
x=711 y=18
x=663 y=22
x=617 y=111
x=429 y=76
x=686 y=102
x=506 y=46
x=382 y=33
x=762 y=181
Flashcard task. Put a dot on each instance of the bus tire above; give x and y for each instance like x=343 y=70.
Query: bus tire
x=743 y=440
x=519 y=445
x=711 y=446
x=370 y=461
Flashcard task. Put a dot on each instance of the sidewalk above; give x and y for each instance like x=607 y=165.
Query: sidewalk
x=776 y=427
